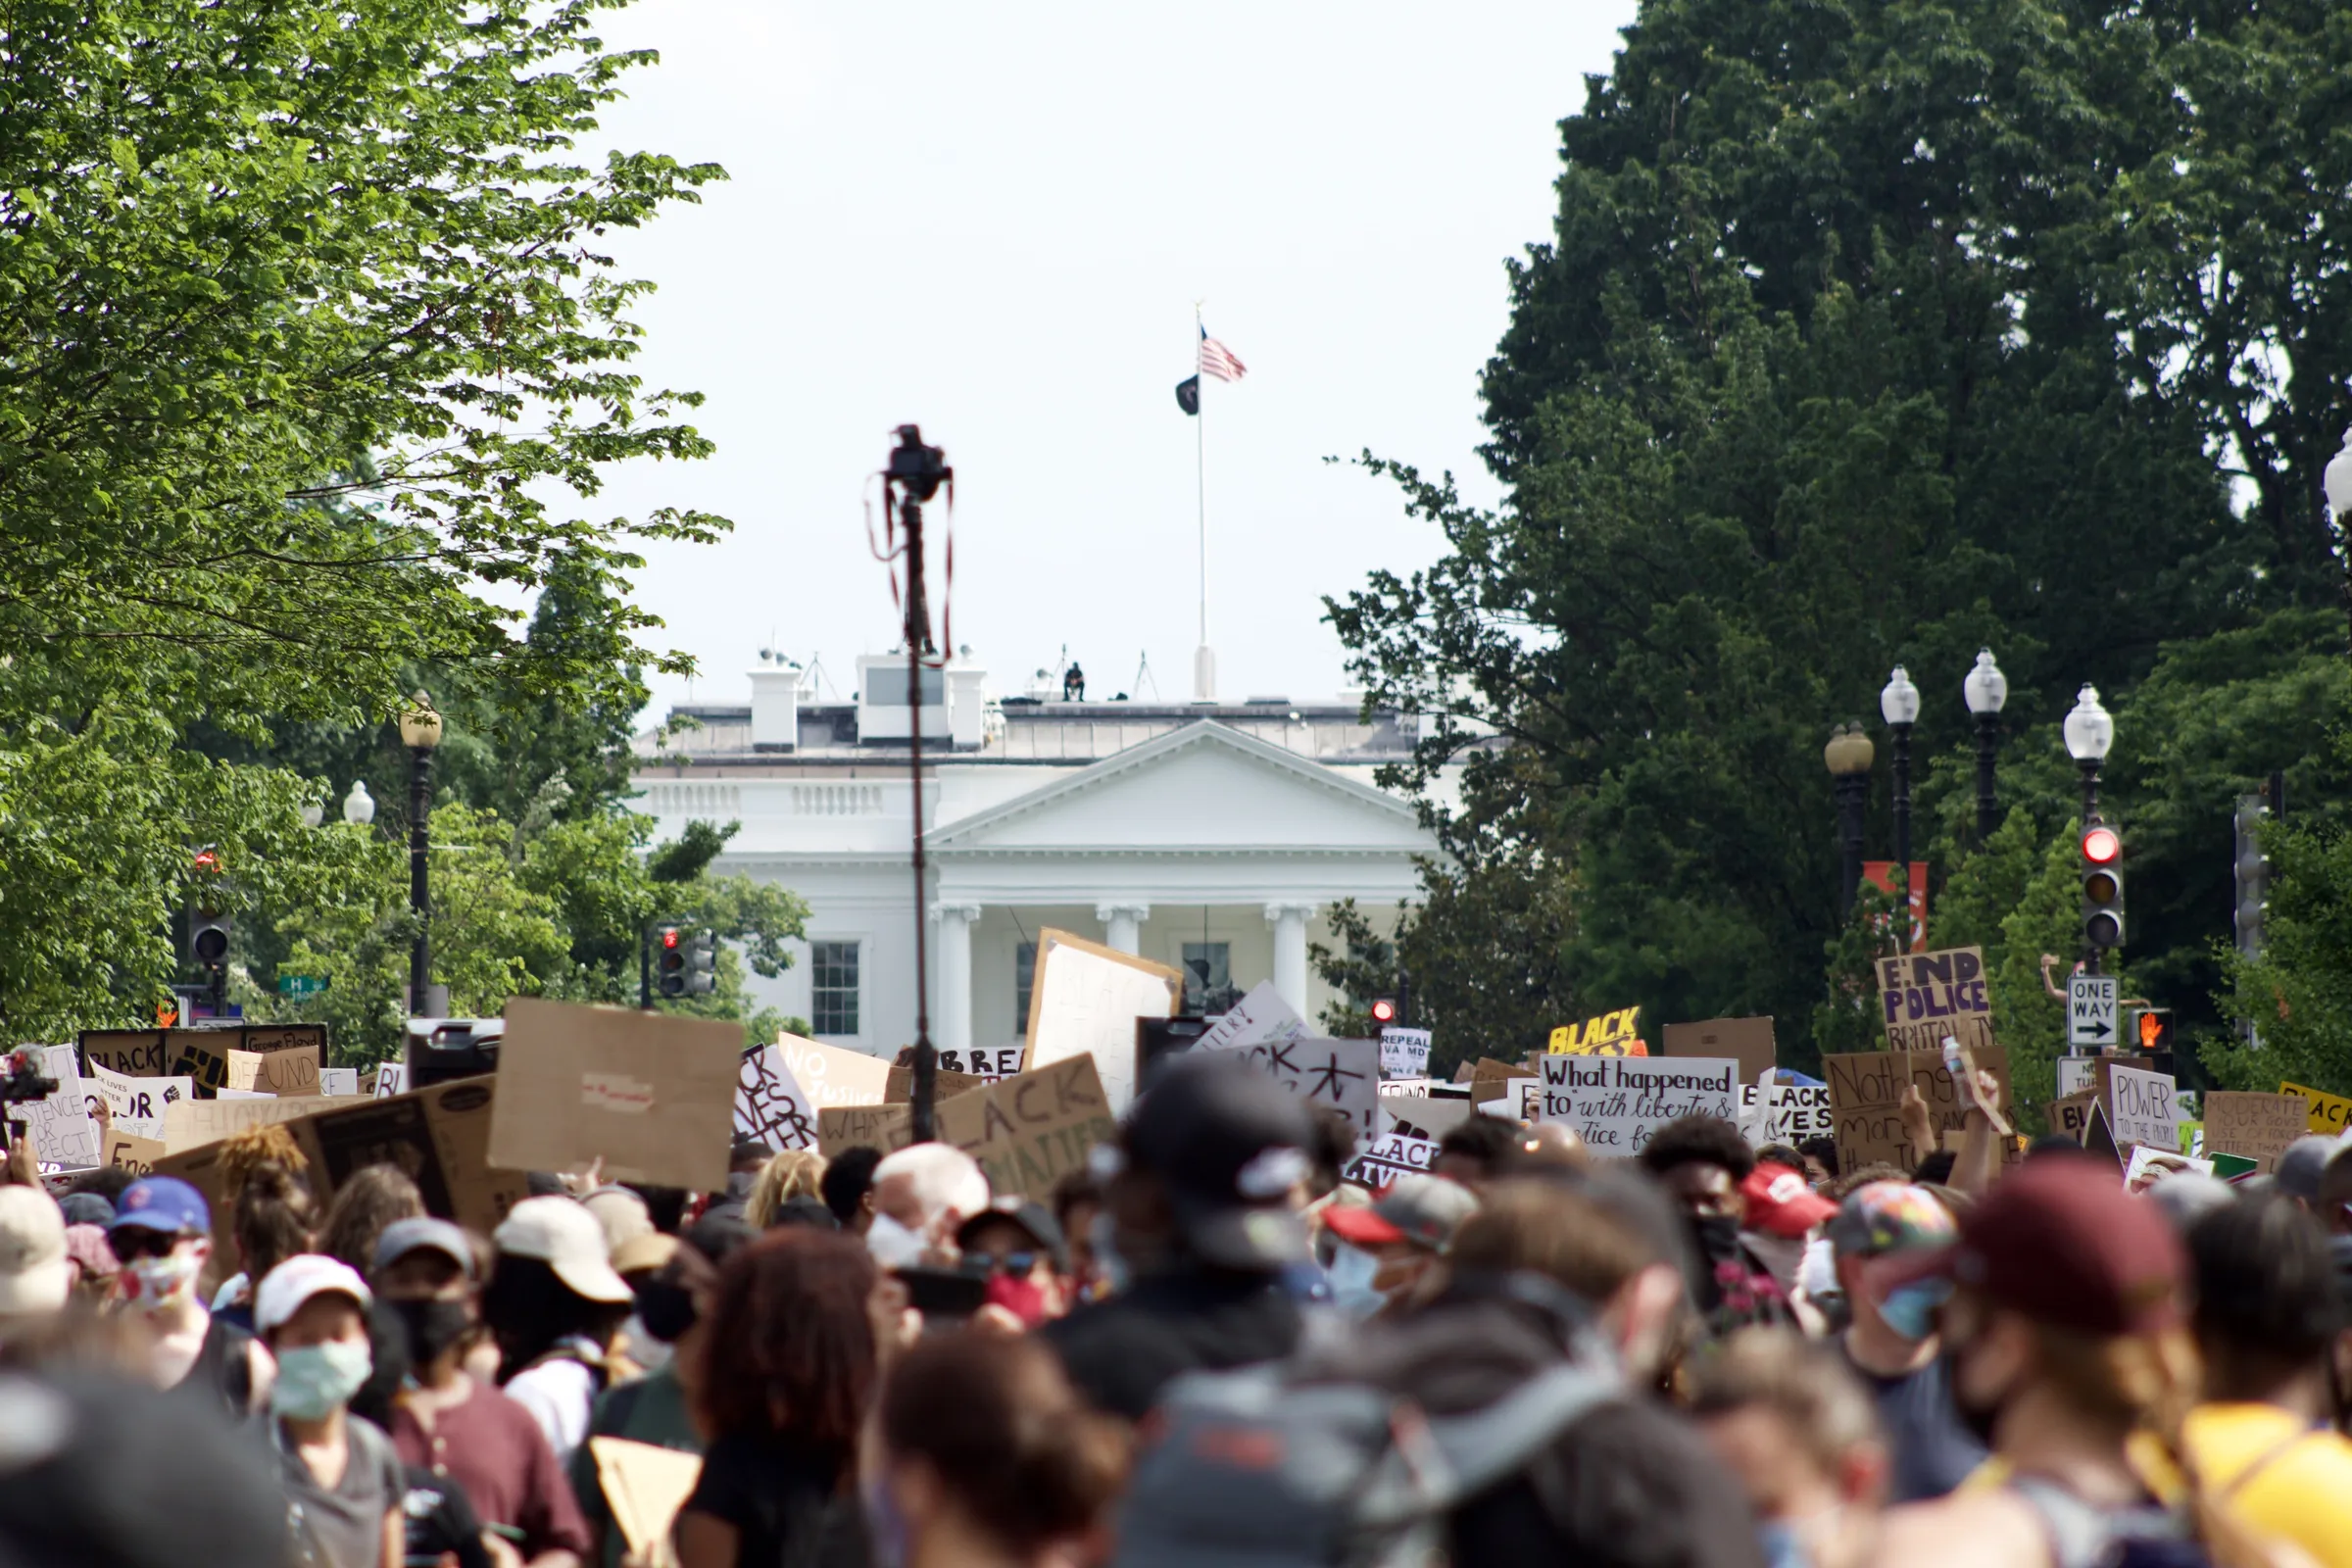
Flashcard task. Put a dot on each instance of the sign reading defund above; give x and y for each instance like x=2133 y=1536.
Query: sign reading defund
x=1617 y=1103
x=1926 y=996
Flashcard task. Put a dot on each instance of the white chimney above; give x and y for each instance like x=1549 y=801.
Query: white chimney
x=775 y=705
x=967 y=704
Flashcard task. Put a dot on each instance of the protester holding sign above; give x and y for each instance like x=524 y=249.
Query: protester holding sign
x=343 y=1481
x=162 y=1233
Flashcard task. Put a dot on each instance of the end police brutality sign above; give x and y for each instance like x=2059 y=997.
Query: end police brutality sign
x=1927 y=995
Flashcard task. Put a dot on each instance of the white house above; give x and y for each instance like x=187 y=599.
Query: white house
x=1211 y=837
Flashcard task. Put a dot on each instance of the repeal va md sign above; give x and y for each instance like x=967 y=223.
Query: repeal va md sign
x=1927 y=995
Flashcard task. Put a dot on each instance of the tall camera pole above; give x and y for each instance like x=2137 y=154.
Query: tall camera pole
x=915 y=474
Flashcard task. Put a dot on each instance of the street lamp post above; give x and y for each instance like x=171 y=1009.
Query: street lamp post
x=1898 y=704
x=2089 y=732
x=1849 y=756
x=419 y=732
x=1986 y=690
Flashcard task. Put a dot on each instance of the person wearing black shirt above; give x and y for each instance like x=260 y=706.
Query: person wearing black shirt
x=1201 y=1211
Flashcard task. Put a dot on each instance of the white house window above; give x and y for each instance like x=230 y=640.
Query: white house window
x=1024 y=974
x=1208 y=978
x=833 y=988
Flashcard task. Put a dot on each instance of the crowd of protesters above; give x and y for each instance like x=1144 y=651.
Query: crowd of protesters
x=1709 y=1355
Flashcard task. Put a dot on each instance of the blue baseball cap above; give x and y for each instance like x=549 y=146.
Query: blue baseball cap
x=163 y=1203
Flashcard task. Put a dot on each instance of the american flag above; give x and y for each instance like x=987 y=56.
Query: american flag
x=1219 y=360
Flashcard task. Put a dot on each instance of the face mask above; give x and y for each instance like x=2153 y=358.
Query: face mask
x=665 y=1309
x=163 y=1281
x=433 y=1327
x=313 y=1380
x=1718 y=1236
x=1783 y=1548
x=886 y=1529
x=1817 y=1275
x=1351 y=1270
x=1103 y=1234
x=1024 y=1298
x=1910 y=1309
x=893 y=1245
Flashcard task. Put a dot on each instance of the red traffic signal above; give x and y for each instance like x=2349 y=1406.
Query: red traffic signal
x=1384 y=1011
x=670 y=936
x=208 y=860
x=2101 y=846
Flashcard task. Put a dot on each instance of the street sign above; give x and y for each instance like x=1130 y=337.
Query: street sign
x=2090 y=1010
x=301 y=985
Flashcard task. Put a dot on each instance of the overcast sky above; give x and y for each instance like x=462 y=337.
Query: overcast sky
x=994 y=220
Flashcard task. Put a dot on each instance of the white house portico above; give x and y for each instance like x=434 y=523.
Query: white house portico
x=1212 y=838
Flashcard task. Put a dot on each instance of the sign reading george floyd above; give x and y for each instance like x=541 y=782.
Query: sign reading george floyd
x=1926 y=996
x=650 y=1094
x=1612 y=1034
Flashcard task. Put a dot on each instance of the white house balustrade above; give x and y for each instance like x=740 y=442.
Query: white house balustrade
x=705 y=801
x=835 y=800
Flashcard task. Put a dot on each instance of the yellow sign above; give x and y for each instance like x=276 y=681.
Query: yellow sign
x=2330 y=1114
x=1612 y=1034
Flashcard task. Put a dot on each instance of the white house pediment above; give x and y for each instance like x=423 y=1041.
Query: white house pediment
x=1204 y=788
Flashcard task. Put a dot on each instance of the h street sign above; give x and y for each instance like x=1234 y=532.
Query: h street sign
x=2090 y=1010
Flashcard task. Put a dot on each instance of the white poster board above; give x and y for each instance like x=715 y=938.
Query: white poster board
x=1798 y=1113
x=135 y=1105
x=1084 y=1002
x=64 y=1133
x=1389 y=1156
x=831 y=1077
x=770 y=1104
x=1403 y=1052
x=1616 y=1103
x=1343 y=1074
x=1259 y=1016
x=392 y=1078
x=2142 y=1112
x=340 y=1083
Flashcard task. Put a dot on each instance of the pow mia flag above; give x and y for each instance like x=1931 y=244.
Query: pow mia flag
x=1188 y=395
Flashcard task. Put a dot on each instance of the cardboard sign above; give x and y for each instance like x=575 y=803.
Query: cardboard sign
x=133 y=1154
x=2327 y=1113
x=2098 y=1137
x=1492 y=1077
x=193 y=1123
x=1926 y=996
x=1617 y=1102
x=1866 y=1090
x=1793 y=1112
x=831 y=1076
x=197 y=1053
x=1612 y=1034
x=1389 y=1156
x=1403 y=1052
x=1746 y=1041
x=391 y=1078
x=988 y=1065
x=769 y=1105
x=1343 y=1074
x=1033 y=1129
x=898 y=1087
x=341 y=1083
x=136 y=1105
x=889 y=1128
x=439 y=1136
x=1259 y=1016
x=1424 y=1116
x=2141 y=1110
x=2258 y=1127
x=289 y=1072
x=645 y=1487
x=2071 y=1113
x=651 y=1094
x=1084 y=1000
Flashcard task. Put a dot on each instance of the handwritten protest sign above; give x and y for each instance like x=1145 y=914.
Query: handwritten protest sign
x=889 y=1128
x=193 y=1123
x=63 y=1132
x=898 y=1087
x=1612 y=1034
x=1926 y=996
x=2327 y=1112
x=1866 y=1091
x=1343 y=1074
x=1617 y=1102
x=2071 y=1113
x=1747 y=1041
x=1031 y=1130
x=392 y=1078
x=132 y=1153
x=1794 y=1114
x=984 y=1064
x=1259 y=1016
x=2141 y=1110
x=650 y=1094
x=1084 y=1000
x=135 y=1105
x=1389 y=1156
x=1423 y=1115
x=831 y=1076
x=292 y=1072
x=769 y=1105
x=1403 y=1052
x=340 y=1082
x=2256 y=1126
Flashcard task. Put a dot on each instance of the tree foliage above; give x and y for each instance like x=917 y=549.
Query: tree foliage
x=1871 y=334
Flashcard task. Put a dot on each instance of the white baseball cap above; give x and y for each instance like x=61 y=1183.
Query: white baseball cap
x=35 y=1275
x=564 y=1235
x=286 y=1287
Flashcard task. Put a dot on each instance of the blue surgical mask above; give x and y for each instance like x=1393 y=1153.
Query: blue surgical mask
x=1350 y=1273
x=1909 y=1311
x=315 y=1380
x=1782 y=1548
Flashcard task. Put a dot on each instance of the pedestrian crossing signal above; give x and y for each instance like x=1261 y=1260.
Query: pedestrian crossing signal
x=2156 y=1030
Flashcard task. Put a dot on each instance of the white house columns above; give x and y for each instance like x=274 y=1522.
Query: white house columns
x=953 y=1017
x=1288 y=921
x=1120 y=923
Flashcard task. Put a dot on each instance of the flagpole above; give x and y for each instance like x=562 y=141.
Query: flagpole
x=1204 y=671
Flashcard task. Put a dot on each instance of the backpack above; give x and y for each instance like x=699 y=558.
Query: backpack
x=1287 y=1464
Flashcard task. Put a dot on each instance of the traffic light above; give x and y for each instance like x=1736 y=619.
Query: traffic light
x=2102 y=887
x=2252 y=877
x=209 y=927
x=2156 y=1029
x=1384 y=1011
x=670 y=959
x=702 y=963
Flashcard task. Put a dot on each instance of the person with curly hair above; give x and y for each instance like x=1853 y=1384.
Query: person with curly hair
x=789 y=1366
x=1700 y=1162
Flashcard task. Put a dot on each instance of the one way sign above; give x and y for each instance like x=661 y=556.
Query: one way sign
x=2090 y=1010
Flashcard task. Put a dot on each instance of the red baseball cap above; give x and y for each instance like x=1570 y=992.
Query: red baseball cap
x=2063 y=1244
x=1781 y=1203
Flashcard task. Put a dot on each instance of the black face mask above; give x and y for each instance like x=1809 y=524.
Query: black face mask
x=1979 y=1419
x=665 y=1309
x=1718 y=1236
x=432 y=1326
